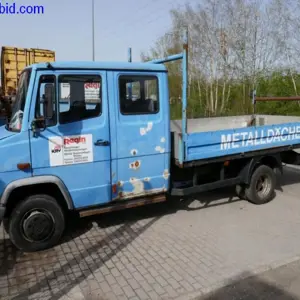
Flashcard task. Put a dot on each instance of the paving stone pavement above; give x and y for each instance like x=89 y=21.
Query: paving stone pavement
x=281 y=283
x=180 y=250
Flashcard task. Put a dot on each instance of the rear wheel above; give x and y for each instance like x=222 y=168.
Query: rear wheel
x=37 y=223
x=262 y=185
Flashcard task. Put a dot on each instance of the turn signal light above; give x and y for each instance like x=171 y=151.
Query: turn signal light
x=24 y=166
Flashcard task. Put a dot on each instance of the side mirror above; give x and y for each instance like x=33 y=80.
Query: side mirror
x=49 y=99
x=38 y=125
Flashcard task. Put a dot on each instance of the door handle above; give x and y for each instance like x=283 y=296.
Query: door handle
x=101 y=143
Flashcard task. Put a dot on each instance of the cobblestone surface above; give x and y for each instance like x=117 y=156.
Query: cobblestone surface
x=281 y=283
x=177 y=251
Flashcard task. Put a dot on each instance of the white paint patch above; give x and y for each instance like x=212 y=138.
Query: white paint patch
x=138 y=185
x=143 y=131
x=147 y=179
x=160 y=149
x=163 y=140
x=149 y=127
x=139 y=189
x=166 y=174
x=71 y=150
x=133 y=152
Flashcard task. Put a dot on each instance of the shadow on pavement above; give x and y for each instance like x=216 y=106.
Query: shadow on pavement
x=250 y=288
x=115 y=231
x=224 y=196
x=113 y=242
x=291 y=175
x=9 y=254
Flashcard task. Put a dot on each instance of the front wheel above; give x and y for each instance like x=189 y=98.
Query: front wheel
x=262 y=185
x=36 y=223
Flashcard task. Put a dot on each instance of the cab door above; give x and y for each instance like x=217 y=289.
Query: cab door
x=75 y=145
x=140 y=133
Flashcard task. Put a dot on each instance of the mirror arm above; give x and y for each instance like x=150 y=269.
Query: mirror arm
x=35 y=129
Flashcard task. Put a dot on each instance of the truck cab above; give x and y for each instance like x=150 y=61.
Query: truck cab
x=82 y=136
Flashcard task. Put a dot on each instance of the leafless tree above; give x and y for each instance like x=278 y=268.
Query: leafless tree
x=232 y=41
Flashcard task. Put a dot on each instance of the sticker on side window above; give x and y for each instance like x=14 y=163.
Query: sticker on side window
x=69 y=150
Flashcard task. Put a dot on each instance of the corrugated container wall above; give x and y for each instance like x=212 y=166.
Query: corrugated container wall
x=14 y=60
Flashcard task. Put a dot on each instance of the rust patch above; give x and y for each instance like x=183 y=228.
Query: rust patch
x=133 y=152
x=114 y=188
x=128 y=195
x=127 y=204
x=135 y=165
x=139 y=189
x=116 y=198
x=166 y=174
x=120 y=183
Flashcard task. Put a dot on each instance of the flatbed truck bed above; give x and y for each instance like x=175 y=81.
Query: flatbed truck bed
x=209 y=138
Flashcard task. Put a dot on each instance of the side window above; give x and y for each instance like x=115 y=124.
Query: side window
x=138 y=95
x=79 y=97
x=46 y=82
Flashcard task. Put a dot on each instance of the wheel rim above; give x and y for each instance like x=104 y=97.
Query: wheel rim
x=37 y=225
x=263 y=186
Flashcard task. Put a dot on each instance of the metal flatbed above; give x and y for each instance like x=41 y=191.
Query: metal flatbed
x=208 y=138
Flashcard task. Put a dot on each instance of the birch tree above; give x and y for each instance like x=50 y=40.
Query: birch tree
x=232 y=45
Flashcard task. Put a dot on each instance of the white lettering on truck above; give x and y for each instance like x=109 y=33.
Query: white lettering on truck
x=259 y=137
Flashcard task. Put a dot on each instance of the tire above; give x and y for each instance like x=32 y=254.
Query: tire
x=37 y=223
x=261 y=189
x=5 y=223
x=240 y=191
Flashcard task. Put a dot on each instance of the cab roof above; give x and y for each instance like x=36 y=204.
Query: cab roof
x=94 y=65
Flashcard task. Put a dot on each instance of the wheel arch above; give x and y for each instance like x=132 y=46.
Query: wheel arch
x=53 y=184
x=273 y=161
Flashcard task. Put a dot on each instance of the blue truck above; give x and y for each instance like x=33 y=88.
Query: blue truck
x=104 y=149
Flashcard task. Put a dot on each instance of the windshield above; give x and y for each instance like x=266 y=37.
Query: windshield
x=15 y=123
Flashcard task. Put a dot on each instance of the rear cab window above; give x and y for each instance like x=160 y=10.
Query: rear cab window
x=138 y=94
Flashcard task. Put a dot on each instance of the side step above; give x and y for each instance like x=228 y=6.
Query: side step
x=123 y=205
x=192 y=190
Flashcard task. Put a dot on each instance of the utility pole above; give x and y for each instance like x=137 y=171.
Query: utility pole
x=93 y=28
x=130 y=84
